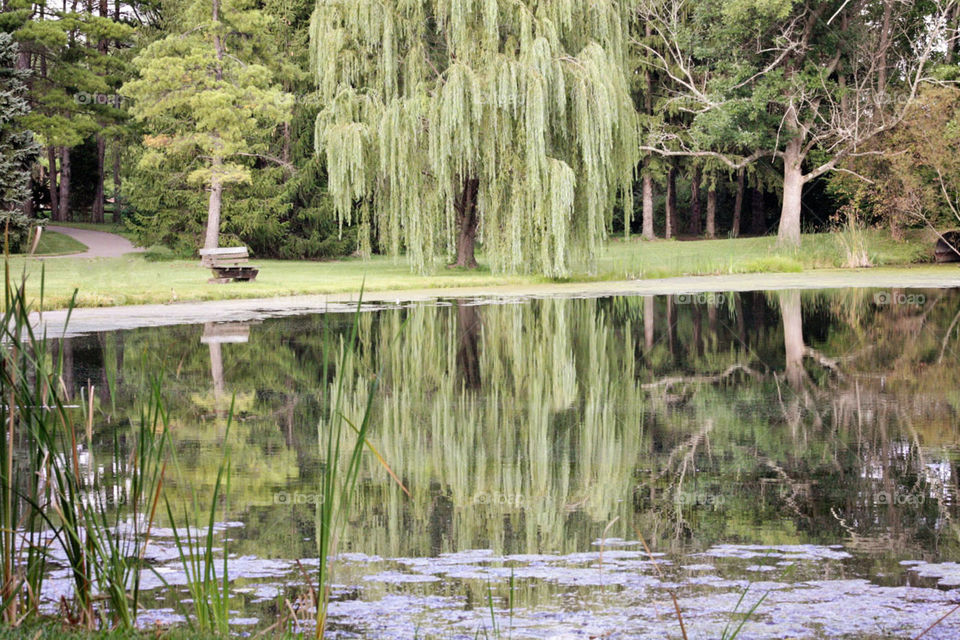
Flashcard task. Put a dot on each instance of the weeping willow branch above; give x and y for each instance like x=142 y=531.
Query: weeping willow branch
x=531 y=100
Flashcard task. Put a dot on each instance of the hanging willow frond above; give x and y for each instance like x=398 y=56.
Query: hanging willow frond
x=530 y=98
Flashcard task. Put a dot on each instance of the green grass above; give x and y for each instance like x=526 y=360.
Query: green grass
x=57 y=244
x=134 y=280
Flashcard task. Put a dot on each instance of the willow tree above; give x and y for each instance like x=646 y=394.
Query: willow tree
x=451 y=121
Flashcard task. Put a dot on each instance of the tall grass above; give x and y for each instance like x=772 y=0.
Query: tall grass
x=338 y=436
x=50 y=494
x=55 y=497
x=209 y=592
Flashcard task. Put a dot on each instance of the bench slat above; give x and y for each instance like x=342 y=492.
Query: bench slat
x=225 y=251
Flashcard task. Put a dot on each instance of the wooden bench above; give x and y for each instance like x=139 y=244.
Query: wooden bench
x=228 y=265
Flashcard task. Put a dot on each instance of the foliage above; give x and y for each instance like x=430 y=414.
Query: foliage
x=518 y=112
x=919 y=184
x=207 y=102
x=17 y=148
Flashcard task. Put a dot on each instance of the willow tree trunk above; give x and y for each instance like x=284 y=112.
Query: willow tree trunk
x=467 y=221
x=738 y=203
x=671 y=203
x=63 y=213
x=212 y=239
x=789 y=233
x=696 y=210
x=469 y=328
x=712 y=212
x=98 y=197
x=52 y=182
x=648 y=233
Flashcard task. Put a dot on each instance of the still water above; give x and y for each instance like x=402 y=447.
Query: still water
x=799 y=450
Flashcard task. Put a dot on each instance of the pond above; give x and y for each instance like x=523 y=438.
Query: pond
x=572 y=463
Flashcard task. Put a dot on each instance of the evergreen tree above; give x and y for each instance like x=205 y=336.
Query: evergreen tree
x=17 y=147
x=206 y=98
x=447 y=120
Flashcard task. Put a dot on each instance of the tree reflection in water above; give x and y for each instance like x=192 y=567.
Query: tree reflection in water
x=528 y=426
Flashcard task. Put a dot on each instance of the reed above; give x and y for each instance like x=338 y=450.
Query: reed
x=340 y=438
x=50 y=495
x=210 y=593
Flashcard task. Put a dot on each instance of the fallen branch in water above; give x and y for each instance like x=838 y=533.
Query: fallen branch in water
x=666 y=383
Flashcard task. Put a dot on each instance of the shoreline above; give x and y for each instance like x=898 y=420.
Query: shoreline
x=86 y=320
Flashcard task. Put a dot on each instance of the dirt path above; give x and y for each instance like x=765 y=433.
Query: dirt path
x=100 y=244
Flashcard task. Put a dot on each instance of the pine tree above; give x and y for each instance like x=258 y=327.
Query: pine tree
x=206 y=96
x=17 y=147
x=449 y=121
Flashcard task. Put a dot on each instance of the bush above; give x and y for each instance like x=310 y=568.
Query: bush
x=20 y=227
x=159 y=253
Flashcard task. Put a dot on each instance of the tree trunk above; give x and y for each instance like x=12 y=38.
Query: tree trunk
x=885 y=38
x=671 y=203
x=738 y=203
x=696 y=210
x=467 y=223
x=791 y=313
x=952 y=25
x=469 y=328
x=116 y=183
x=649 y=325
x=27 y=205
x=98 y=198
x=216 y=373
x=63 y=213
x=712 y=212
x=212 y=240
x=789 y=233
x=758 y=213
x=52 y=182
x=697 y=337
x=648 y=232
x=671 y=322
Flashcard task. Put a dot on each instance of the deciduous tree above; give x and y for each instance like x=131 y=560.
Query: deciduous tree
x=450 y=121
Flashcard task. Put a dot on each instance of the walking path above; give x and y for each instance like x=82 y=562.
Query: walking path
x=100 y=244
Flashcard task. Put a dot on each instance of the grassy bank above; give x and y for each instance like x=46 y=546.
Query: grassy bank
x=134 y=280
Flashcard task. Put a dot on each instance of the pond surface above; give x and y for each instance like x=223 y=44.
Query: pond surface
x=800 y=448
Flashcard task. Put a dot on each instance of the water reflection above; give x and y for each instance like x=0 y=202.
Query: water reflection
x=528 y=427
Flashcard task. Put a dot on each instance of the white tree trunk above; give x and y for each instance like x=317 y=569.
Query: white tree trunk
x=789 y=234
x=212 y=240
x=792 y=314
x=648 y=207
